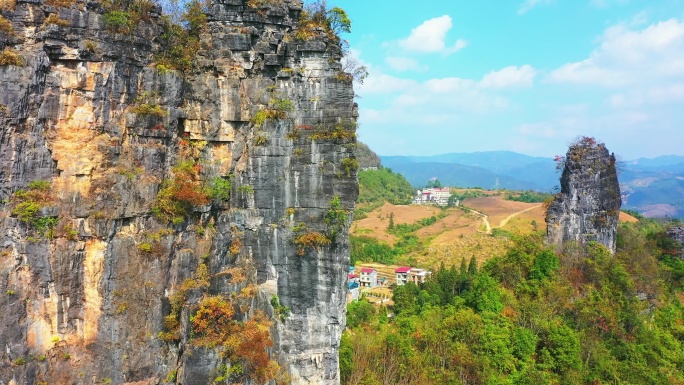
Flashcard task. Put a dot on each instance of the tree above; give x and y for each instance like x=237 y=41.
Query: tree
x=353 y=66
x=472 y=266
x=338 y=20
x=434 y=183
x=359 y=312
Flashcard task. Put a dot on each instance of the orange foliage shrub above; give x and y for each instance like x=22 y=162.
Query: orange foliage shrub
x=180 y=194
x=235 y=246
x=243 y=343
x=310 y=240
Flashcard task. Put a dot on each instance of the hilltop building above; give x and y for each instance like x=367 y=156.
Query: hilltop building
x=438 y=196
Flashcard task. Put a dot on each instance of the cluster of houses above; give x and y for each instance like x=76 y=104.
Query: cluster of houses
x=432 y=195
x=368 y=277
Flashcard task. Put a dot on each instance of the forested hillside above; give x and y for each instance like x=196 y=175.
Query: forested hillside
x=379 y=186
x=532 y=316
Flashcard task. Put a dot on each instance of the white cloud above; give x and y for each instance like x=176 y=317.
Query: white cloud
x=665 y=94
x=379 y=83
x=627 y=57
x=430 y=36
x=401 y=63
x=529 y=4
x=448 y=85
x=509 y=77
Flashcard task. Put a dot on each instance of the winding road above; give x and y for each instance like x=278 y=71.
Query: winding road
x=508 y=218
x=503 y=222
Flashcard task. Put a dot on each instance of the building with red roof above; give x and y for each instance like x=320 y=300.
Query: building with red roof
x=402 y=275
x=413 y=274
x=368 y=277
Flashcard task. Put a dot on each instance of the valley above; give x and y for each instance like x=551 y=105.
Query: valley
x=480 y=227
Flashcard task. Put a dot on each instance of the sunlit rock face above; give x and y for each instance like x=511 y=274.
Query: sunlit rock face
x=588 y=205
x=85 y=297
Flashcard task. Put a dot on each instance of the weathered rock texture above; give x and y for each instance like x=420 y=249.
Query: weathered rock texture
x=588 y=205
x=677 y=234
x=86 y=303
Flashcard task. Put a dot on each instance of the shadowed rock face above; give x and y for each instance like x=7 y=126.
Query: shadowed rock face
x=86 y=302
x=588 y=205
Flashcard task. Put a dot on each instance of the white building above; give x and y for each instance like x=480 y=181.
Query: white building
x=439 y=196
x=368 y=277
x=402 y=275
x=411 y=274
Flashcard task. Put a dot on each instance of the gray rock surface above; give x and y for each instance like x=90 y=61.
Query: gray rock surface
x=85 y=304
x=677 y=234
x=588 y=205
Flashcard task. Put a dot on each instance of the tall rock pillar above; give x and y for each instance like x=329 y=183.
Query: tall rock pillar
x=588 y=205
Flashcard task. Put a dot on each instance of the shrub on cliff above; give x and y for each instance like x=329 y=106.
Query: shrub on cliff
x=29 y=204
x=7 y=5
x=310 y=240
x=117 y=21
x=5 y=26
x=181 y=193
x=10 y=57
x=243 y=343
x=317 y=15
x=180 y=41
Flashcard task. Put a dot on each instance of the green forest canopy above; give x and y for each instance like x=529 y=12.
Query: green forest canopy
x=532 y=316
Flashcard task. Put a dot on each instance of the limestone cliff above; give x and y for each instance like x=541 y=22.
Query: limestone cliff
x=588 y=205
x=133 y=192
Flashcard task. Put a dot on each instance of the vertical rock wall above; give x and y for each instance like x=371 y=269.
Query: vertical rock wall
x=588 y=205
x=85 y=302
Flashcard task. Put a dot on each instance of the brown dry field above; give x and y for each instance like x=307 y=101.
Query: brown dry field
x=624 y=217
x=376 y=222
x=459 y=234
x=497 y=208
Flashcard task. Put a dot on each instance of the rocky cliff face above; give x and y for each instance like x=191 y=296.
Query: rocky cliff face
x=588 y=205
x=132 y=193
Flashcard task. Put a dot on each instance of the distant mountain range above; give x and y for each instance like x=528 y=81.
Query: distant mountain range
x=654 y=187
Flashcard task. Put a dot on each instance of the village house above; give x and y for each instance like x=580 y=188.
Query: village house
x=418 y=275
x=353 y=286
x=368 y=277
x=402 y=275
x=438 y=196
x=411 y=274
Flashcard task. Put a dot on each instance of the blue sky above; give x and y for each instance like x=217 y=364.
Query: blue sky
x=520 y=75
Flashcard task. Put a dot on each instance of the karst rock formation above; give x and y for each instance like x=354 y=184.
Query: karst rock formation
x=588 y=205
x=172 y=223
